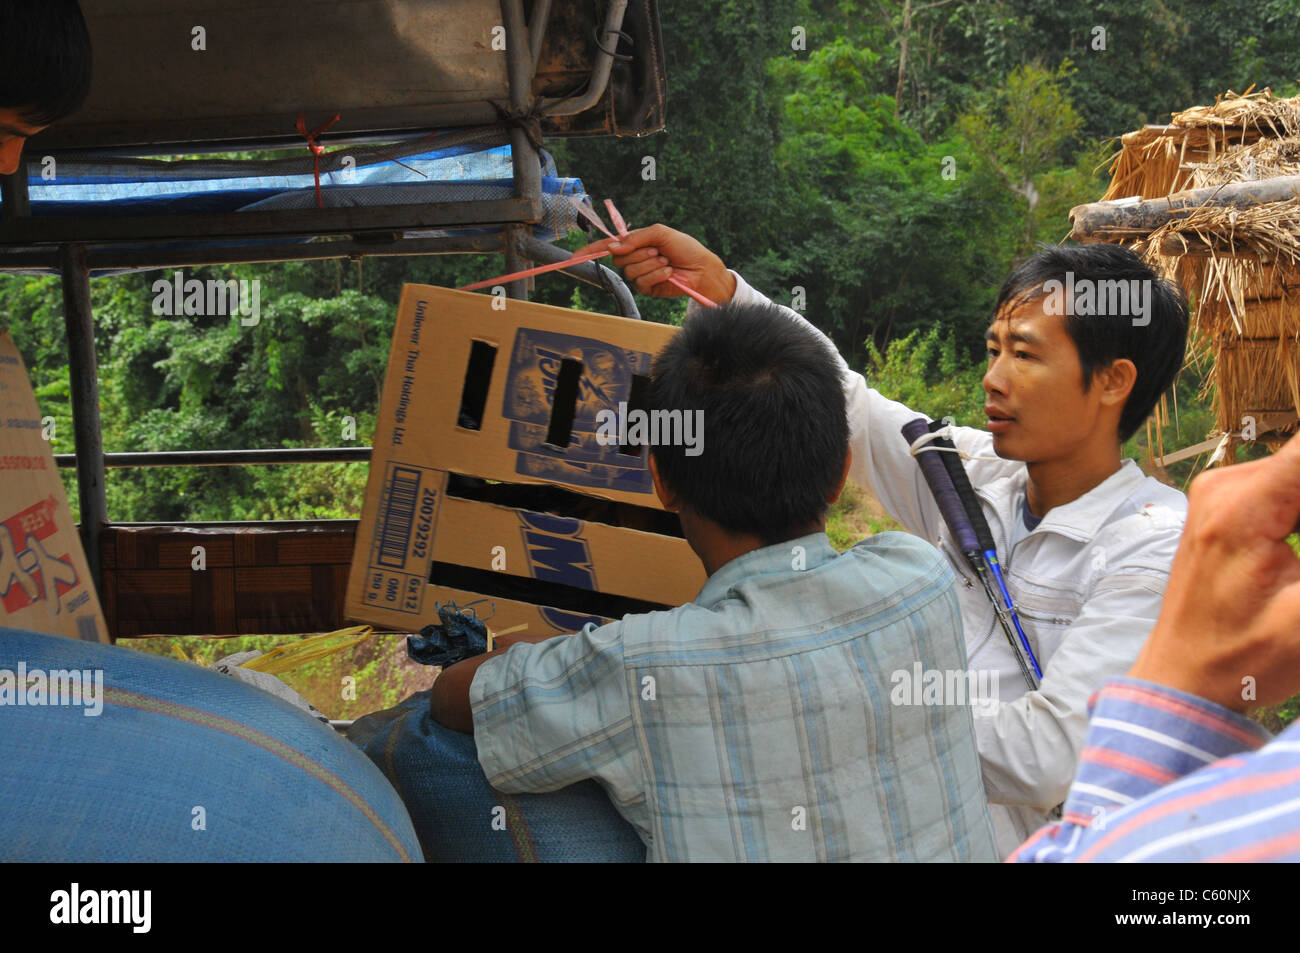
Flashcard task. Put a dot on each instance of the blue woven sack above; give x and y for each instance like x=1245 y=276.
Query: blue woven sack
x=179 y=764
x=460 y=817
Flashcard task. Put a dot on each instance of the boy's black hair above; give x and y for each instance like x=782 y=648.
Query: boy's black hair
x=1156 y=348
x=45 y=59
x=775 y=423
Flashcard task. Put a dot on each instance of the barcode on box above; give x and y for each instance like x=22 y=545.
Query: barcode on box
x=397 y=516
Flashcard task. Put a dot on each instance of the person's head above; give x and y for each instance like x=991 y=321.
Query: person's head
x=776 y=434
x=1084 y=340
x=44 y=70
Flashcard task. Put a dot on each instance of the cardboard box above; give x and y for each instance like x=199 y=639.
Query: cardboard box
x=532 y=347
x=504 y=616
x=45 y=583
x=510 y=395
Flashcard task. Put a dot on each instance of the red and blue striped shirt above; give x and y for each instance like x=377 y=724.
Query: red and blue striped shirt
x=1168 y=776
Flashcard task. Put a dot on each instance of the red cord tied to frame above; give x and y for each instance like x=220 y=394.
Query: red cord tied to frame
x=590 y=215
x=315 y=148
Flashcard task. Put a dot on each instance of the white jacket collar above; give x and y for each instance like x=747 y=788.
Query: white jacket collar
x=1081 y=518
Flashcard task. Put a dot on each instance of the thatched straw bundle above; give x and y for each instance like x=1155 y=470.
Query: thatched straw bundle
x=1262 y=159
x=1239 y=263
x=1158 y=160
x=1256 y=378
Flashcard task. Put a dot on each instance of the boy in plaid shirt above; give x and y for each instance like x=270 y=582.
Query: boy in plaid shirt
x=763 y=720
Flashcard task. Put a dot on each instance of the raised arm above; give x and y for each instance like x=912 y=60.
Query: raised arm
x=881 y=461
x=649 y=256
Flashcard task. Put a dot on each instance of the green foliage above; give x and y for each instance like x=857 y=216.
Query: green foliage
x=715 y=171
x=884 y=243
x=923 y=371
x=381 y=672
x=855 y=516
x=1021 y=130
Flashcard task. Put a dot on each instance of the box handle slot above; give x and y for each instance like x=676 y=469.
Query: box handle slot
x=564 y=403
x=478 y=378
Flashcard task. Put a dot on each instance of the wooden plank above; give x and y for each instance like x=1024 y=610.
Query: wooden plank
x=275 y=612
x=322 y=595
x=149 y=608
x=109 y=602
x=317 y=547
x=256 y=580
x=153 y=581
x=1266 y=422
x=1205 y=446
x=245 y=548
x=125 y=544
x=266 y=548
x=201 y=597
x=178 y=553
x=339 y=619
x=108 y=549
x=224 y=619
x=260 y=579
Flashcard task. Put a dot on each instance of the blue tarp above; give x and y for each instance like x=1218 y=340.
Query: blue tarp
x=467 y=173
x=118 y=773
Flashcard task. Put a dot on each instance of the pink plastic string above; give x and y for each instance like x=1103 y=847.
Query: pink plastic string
x=590 y=215
x=540 y=269
x=672 y=279
x=587 y=212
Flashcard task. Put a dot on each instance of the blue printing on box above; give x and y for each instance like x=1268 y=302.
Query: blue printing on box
x=606 y=381
x=412 y=498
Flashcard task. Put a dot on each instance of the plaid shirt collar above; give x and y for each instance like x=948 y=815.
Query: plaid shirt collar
x=778 y=559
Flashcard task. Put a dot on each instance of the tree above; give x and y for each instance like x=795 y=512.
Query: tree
x=1022 y=129
x=895 y=234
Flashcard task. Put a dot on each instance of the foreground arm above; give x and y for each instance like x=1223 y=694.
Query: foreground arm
x=449 y=698
x=1124 y=804
x=550 y=714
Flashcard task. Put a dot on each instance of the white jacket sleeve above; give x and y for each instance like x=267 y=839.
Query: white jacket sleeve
x=882 y=462
x=1030 y=747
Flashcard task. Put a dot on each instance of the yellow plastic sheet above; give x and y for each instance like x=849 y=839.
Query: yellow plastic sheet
x=288 y=657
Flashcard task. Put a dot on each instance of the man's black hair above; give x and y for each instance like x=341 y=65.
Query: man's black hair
x=1155 y=348
x=44 y=59
x=776 y=429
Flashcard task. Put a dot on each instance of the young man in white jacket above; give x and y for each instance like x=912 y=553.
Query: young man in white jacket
x=1085 y=538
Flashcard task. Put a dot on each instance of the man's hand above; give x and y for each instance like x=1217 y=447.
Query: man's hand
x=449 y=698
x=649 y=256
x=1229 y=630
